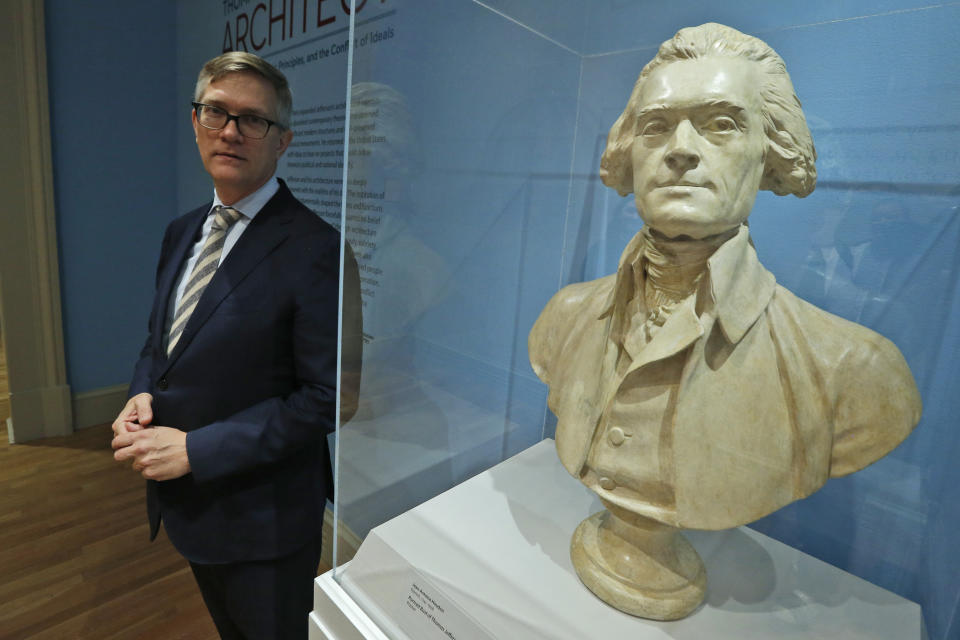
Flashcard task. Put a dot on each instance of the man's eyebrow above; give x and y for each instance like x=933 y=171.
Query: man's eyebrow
x=249 y=112
x=716 y=103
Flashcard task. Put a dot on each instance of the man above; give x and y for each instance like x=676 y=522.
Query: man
x=689 y=387
x=234 y=393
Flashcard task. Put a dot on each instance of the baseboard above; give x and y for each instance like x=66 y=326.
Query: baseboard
x=347 y=546
x=98 y=406
x=43 y=412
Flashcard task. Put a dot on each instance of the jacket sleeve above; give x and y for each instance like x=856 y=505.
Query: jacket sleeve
x=351 y=342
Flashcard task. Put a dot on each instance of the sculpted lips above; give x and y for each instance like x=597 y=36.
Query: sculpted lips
x=681 y=188
x=684 y=183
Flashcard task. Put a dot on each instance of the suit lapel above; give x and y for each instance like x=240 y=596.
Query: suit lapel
x=267 y=231
x=168 y=278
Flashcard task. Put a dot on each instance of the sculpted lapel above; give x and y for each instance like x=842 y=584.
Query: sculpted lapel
x=580 y=400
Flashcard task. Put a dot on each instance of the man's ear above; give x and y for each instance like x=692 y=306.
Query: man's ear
x=193 y=120
x=284 y=142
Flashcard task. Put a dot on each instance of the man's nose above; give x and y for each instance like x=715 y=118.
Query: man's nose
x=682 y=154
x=231 y=130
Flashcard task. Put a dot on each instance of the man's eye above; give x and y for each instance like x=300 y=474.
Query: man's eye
x=721 y=124
x=653 y=128
x=215 y=112
x=254 y=121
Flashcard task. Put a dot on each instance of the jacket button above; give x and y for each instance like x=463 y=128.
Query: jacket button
x=616 y=436
x=162 y=384
x=607 y=483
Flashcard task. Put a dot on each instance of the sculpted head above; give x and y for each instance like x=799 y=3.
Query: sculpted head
x=712 y=119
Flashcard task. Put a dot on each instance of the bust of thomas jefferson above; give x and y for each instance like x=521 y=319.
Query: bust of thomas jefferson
x=691 y=390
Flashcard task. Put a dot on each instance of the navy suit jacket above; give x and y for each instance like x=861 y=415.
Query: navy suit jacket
x=252 y=381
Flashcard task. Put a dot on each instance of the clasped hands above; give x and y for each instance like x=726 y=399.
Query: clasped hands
x=158 y=453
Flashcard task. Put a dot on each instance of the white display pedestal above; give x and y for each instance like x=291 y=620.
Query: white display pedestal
x=490 y=559
x=336 y=616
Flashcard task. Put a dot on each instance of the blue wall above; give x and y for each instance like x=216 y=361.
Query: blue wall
x=111 y=72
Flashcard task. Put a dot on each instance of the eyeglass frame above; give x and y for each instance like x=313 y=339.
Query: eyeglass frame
x=198 y=106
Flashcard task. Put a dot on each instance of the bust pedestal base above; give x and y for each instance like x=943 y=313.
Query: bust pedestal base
x=638 y=565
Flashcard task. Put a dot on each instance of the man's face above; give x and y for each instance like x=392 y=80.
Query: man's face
x=240 y=165
x=699 y=147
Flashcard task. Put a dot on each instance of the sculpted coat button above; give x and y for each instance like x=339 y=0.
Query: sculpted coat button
x=162 y=384
x=616 y=436
x=607 y=483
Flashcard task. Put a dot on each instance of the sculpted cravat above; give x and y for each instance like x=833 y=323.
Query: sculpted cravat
x=203 y=271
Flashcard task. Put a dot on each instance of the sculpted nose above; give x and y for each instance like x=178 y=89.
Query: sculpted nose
x=682 y=160
x=683 y=155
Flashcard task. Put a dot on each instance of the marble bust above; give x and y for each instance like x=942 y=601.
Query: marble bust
x=691 y=390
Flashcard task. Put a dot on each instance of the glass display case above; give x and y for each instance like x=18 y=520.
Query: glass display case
x=473 y=194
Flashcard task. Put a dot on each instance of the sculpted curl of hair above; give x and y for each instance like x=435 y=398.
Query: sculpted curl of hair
x=243 y=62
x=790 y=158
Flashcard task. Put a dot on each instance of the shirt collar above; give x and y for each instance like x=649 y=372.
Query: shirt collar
x=738 y=288
x=251 y=205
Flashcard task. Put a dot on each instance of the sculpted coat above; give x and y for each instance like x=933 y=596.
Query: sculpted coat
x=772 y=393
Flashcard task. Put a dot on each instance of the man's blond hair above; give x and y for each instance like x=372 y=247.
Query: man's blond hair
x=243 y=62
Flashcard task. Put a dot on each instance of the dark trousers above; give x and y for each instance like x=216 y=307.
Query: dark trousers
x=262 y=600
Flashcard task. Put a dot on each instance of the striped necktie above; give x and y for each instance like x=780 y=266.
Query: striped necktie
x=202 y=272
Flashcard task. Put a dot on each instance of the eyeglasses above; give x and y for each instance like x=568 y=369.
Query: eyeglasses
x=249 y=126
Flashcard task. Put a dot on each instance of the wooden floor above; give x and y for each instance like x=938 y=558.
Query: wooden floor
x=75 y=561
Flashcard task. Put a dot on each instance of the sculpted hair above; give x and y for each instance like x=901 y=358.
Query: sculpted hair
x=790 y=158
x=243 y=62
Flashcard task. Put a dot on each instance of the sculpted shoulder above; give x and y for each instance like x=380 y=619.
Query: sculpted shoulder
x=835 y=342
x=874 y=399
x=569 y=310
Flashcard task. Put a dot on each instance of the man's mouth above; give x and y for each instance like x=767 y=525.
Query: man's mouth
x=227 y=154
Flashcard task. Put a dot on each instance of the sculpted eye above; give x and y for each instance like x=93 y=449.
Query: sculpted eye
x=721 y=124
x=654 y=127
